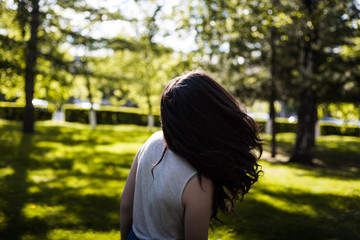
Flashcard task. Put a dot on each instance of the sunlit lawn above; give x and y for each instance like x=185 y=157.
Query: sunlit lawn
x=65 y=182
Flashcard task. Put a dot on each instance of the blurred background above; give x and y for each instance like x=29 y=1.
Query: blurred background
x=87 y=73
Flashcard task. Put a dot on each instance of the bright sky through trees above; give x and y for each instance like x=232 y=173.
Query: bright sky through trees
x=168 y=35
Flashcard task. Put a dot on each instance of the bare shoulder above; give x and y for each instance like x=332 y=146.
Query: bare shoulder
x=197 y=201
x=198 y=189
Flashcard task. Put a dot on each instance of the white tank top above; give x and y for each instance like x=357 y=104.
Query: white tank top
x=158 y=212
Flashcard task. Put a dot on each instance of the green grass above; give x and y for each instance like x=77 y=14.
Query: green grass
x=65 y=182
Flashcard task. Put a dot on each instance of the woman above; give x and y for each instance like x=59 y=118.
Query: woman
x=204 y=159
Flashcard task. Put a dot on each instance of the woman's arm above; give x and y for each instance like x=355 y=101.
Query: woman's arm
x=197 y=200
x=127 y=200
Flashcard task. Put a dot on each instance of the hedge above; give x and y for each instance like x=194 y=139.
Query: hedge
x=110 y=116
x=17 y=113
x=281 y=126
x=325 y=129
x=133 y=116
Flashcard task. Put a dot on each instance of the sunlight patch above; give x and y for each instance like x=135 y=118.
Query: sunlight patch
x=287 y=205
x=75 y=182
x=32 y=210
x=119 y=147
x=40 y=176
x=61 y=234
x=53 y=215
x=98 y=187
x=282 y=177
x=81 y=167
x=34 y=189
x=6 y=171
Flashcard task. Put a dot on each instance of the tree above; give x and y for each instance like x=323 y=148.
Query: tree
x=11 y=54
x=242 y=38
x=51 y=28
x=138 y=75
x=324 y=28
x=243 y=35
x=147 y=67
x=31 y=58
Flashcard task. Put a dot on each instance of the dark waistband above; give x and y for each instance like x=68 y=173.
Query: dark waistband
x=132 y=236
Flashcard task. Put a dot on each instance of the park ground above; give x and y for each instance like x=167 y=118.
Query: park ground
x=65 y=181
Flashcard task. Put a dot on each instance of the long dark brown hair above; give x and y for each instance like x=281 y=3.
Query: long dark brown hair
x=205 y=125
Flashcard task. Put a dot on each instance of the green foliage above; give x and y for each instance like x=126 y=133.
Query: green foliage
x=137 y=76
x=236 y=37
x=58 y=33
x=11 y=55
x=344 y=111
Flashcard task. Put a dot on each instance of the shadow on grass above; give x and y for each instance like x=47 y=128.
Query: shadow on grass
x=72 y=210
x=103 y=135
x=14 y=194
x=57 y=179
x=262 y=220
x=334 y=156
x=344 y=155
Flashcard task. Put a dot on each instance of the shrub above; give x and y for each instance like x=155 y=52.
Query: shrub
x=281 y=125
x=325 y=129
x=110 y=116
x=328 y=129
x=13 y=112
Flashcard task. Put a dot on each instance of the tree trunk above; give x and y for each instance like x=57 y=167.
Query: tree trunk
x=92 y=113
x=273 y=93
x=150 y=115
x=273 y=127
x=305 y=135
x=31 y=56
x=307 y=111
